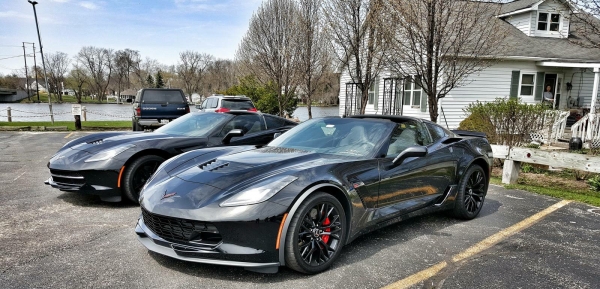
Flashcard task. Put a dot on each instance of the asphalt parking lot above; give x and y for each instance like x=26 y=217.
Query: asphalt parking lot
x=52 y=239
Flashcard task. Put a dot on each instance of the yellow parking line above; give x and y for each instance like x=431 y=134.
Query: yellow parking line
x=69 y=135
x=477 y=248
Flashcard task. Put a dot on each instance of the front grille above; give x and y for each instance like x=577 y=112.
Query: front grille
x=67 y=178
x=182 y=230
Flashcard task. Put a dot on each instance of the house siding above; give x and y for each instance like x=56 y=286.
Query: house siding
x=522 y=22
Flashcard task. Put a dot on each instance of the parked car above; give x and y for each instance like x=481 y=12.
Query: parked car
x=225 y=103
x=154 y=107
x=116 y=164
x=297 y=201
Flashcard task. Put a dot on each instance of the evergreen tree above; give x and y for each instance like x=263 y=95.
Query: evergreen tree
x=150 y=81
x=159 y=80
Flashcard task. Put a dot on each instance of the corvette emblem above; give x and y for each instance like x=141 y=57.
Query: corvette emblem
x=165 y=195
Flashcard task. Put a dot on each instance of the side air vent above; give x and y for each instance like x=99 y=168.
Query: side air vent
x=213 y=165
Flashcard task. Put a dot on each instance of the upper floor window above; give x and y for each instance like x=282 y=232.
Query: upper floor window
x=412 y=91
x=548 y=21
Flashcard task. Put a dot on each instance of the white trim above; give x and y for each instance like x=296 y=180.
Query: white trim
x=532 y=8
x=532 y=85
x=568 y=64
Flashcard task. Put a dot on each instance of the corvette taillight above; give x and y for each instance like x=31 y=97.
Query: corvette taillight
x=138 y=111
x=253 y=109
x=222 y=109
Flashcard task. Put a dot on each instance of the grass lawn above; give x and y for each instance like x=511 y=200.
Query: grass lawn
x=94 y=125
x=561 y=185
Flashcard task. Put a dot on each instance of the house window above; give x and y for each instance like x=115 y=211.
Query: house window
x=373 y=90
x=548 y=20
x=527 y=84
x=412 y=91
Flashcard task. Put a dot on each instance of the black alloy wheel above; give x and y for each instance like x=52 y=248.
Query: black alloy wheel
x=471 y=195
x=137 y=173
x=316 y=234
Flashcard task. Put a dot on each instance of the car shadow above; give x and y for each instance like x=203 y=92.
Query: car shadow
x=84 y=200
x=361 y=248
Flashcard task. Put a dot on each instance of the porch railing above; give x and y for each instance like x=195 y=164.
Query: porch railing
x=584 y=125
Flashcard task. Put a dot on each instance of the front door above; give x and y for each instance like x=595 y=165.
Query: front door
x=550 y=80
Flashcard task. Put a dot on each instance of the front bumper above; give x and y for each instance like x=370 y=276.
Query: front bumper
x=222 y=254
x=99 y=183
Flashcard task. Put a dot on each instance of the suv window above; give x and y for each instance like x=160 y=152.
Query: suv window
x=248 y=123
x=162 y=96
x=212 y=102
x=237 y=104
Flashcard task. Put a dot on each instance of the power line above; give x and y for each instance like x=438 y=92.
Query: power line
x=15 y=56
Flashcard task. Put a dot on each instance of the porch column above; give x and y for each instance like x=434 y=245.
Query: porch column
x=594 y=99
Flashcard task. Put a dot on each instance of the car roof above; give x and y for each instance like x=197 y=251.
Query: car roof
x=230 y=97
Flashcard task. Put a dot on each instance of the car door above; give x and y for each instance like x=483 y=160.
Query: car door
x=416 y=182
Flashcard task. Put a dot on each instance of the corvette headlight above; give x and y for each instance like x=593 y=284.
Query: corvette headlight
x=259 y=192
x=109 y=153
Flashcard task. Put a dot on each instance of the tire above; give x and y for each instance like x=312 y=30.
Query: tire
x=136 y=126
x=300 y=238
x=472 y=190
x=137 y=173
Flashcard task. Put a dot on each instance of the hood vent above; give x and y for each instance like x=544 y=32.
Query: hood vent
x=222 y=167
x=95 y=142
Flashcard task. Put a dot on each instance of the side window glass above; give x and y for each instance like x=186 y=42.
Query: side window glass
x=274 y=122
x=437 y=133
x=404 y=135
x=213 y=102
x=249 y=123
x=203 y=106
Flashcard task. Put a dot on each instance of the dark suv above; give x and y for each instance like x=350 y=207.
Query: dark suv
x=154 y=107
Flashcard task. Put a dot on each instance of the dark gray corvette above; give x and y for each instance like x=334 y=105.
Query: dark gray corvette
x=315 y=188
x=119 y=163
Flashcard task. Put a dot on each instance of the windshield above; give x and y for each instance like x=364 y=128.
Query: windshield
x=195 y=124
x=338 y=136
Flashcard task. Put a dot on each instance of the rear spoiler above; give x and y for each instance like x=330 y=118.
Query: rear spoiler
x=469 y=133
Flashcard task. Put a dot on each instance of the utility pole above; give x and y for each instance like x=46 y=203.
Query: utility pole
x=26 y=74
x=37 y=85
x=33 y=3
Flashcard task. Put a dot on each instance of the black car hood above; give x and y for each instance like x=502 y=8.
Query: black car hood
x=247 y=167
x=205 y=182
x=94 y=144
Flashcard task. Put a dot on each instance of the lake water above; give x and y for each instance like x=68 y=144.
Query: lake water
x=62 y=112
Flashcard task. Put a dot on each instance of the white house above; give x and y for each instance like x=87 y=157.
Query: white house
x=541 y=54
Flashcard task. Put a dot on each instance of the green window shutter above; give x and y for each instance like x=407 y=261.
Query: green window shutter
x=539 y=86
x=376 y=94
x=514 y=84
x=424 y=102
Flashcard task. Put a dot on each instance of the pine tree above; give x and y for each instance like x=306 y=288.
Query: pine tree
x=159 y=80
x=150 y=81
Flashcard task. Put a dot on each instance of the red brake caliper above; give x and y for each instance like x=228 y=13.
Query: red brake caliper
x=326 y=237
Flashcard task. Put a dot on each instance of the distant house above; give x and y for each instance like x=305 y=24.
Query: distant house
x=68 y=91
x=540 y=55
x=40 y=85
x=128 y=94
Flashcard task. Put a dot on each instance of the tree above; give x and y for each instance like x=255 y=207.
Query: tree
x=99 y=65
x=124 y=63
x=269 y=49
x=77 y=80
x=438 y=43
x=264 y=96
x=220 y=75
x=314 y=53
x=585 y=22
x=191 y=69
x=149 y=81
x=57 y=64
x=358 y=41
x=160 y=83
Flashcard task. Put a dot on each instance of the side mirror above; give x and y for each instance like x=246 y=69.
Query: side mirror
x=231 y=134
x=129 y=100
x=410 y=152
x=276 y=135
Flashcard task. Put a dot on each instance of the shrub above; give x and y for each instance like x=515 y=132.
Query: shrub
x=507 y=121
x=594 y=183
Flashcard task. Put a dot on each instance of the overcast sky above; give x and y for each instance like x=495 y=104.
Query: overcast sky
x=159 y=29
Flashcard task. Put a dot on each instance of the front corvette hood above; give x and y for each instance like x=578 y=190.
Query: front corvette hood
x=247 y=167
x=96 y=144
